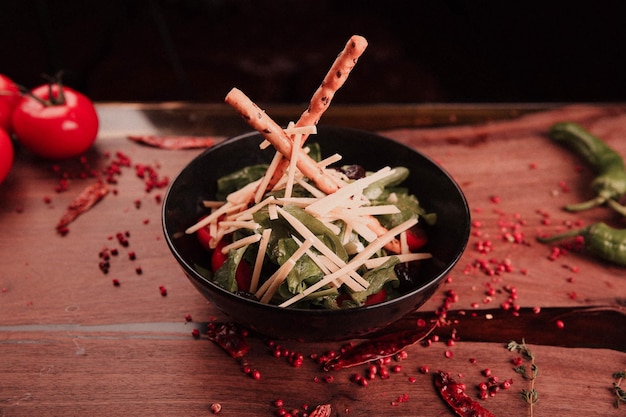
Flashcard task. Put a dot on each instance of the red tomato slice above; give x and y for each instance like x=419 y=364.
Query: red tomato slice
x=416 y=238
x=379 y=297
x=243 y=276
x=204 y=237
x=217 y=257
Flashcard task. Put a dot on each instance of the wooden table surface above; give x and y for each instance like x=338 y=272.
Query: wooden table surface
x=74 y=344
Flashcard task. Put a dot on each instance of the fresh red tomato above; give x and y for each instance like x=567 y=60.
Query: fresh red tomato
x=9 y=98
x=204 y=237
x=243 y=276
x=217 y=257
x=379 y=297
x=55 y=122
x=416 y=238
x=6 y=154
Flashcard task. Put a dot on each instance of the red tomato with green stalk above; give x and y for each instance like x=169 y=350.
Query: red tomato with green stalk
x=9 y=98
x=6 y=154
x=55 y=122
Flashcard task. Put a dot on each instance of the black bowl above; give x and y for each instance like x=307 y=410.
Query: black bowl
x=435 y=189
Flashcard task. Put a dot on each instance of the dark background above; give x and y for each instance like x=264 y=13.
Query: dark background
x=278 y=51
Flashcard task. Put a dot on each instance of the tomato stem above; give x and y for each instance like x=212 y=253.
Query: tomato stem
x=59 y=100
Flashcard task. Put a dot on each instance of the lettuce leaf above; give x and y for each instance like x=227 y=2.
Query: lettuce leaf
x=239 y=179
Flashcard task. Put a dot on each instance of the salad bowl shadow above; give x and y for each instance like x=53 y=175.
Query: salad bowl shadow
x=433 y=186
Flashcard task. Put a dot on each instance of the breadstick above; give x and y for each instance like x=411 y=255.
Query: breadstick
x=274 y=134
x=333 y=81
x=375 y=226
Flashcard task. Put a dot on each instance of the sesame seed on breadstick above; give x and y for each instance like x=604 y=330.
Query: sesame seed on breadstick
x=274 y=134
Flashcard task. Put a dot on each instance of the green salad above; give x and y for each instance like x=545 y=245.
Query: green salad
x=292 y=245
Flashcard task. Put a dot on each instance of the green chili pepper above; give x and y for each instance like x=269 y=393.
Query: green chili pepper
x=610 y=181
x=600 y=239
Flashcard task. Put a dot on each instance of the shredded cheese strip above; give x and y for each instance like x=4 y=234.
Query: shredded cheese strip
x=405 y=257
x=404 y=244
x=347 y=234
x=333 y=227
x=322 y=262
x=330 y=160
x=337 y=198
x=260 y=191
x=228 y=207
x=359 y=226
x=296 y=201
x=272 y=211
x=247 y=214
x=355 y=263
x=244 y=195
x=213 y=232
x=291 y=171
x=258 y=262
x=279 y=276
x=239 y=224
x=310 y=188
x=291 y=129
x=317 y=259
x=375 y=210
x=301 y=130
x=320 y=246
x=330 y=267
x=242 y=242
x=212 y=204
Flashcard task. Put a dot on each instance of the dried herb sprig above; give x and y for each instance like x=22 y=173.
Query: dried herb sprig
x=620 y=392
x=531 y=396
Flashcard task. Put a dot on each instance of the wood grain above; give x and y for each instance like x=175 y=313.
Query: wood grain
x=73 y=344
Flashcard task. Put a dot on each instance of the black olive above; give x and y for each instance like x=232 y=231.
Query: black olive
x=354 y=172
x=246 y=294
x=407 y=274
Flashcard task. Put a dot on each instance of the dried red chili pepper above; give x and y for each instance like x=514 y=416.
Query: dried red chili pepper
x=453 y=393
x=380 y=347
x=175 y=142
x=82 y=203
x=230 y=338
x=322 y=410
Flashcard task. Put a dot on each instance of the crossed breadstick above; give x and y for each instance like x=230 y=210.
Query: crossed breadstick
x=273 y=133
x=333 y=81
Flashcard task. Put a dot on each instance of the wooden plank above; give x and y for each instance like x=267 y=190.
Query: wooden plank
x=104 y=374
x=72 y=343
